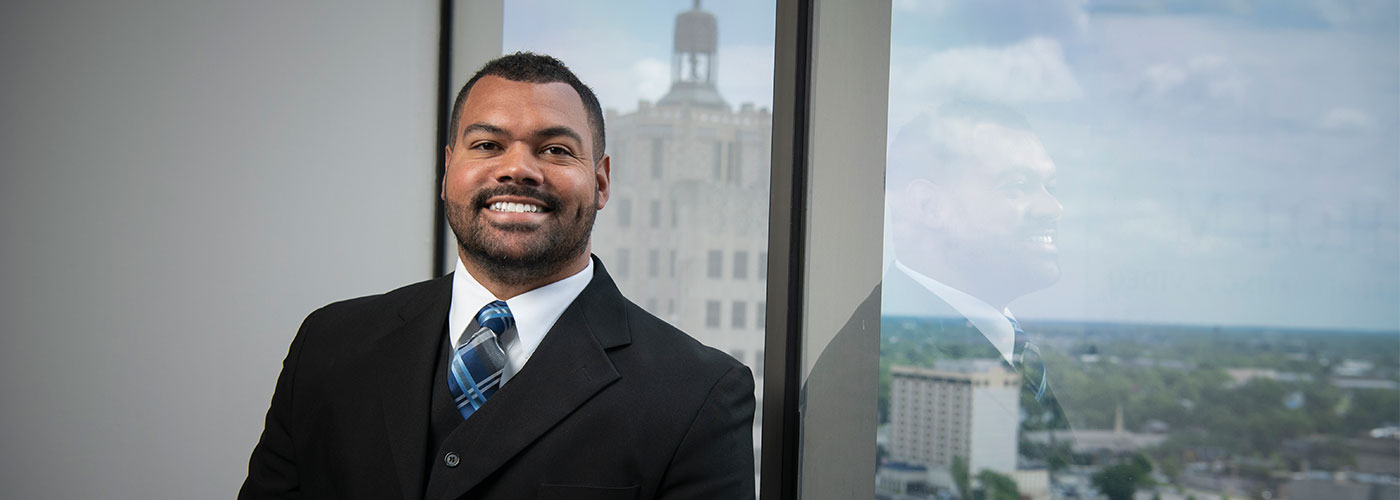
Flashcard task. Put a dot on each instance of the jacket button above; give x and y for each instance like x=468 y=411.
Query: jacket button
x=451 y=460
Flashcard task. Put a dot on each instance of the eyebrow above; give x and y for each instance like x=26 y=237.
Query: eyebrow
x=545 y=133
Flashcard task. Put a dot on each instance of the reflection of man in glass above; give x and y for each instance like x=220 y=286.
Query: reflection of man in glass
x=973 y=214
x=973 y=219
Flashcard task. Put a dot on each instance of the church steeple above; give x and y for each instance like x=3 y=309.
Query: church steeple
x=693 y=61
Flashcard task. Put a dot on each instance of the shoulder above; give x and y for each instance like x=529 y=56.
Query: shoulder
x=359 y=320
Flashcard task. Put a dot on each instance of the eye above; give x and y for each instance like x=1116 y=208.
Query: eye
x=1015 y=189
x=556 y=150
x=486 y=146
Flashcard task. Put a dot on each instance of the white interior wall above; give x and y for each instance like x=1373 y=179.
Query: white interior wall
x=180 y=184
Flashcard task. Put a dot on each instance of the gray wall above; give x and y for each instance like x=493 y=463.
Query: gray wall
x=182 y=182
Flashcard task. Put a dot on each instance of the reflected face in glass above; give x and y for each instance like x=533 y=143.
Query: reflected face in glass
x=977 y=211
x=999 y=211
x=521 y=188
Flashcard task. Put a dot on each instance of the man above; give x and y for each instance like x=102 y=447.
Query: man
x=974 y=220
x=525 y=373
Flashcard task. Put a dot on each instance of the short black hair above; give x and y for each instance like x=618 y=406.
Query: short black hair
x=528 y=67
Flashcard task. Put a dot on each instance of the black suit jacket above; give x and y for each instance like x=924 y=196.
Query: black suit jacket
x=614 y=404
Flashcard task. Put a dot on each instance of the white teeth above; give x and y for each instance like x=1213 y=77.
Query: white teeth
x=1043 y=239
x=506 y=206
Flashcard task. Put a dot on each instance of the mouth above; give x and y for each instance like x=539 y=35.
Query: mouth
x=512 y=207
x=1042 y=241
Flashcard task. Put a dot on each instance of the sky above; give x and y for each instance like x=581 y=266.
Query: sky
x=1221 y=162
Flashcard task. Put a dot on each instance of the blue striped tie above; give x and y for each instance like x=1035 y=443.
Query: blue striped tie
x=477 y=362
x=1028 y=360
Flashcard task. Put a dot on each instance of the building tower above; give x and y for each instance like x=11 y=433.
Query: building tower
x=685 y=233
x=693 y=61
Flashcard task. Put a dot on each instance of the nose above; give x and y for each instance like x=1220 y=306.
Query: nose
x=519 y=166
x=1046 y=206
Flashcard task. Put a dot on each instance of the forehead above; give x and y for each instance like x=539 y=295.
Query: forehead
x=522 y=106
x=987 y=149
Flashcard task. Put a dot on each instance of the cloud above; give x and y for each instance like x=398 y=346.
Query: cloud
x=651 y=78
x=1344 y=119
x=1201 y=80
x=1033 y=70
x=951 y=23
x=1312 y=14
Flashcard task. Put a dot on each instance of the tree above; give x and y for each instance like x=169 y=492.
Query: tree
x=1119 y=482
x=960 y=476
x=998 y=486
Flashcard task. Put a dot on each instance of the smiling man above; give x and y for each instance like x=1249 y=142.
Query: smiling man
x=525 y=373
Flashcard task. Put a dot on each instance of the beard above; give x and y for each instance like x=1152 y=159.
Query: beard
x=525 y=253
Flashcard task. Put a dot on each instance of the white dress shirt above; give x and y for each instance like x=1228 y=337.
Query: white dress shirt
x=535 y=312
x=995 y=326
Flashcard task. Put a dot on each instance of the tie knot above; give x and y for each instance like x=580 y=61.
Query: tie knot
x=1020 y=334
x=495 y=316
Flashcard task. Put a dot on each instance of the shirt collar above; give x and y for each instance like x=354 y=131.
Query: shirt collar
x=994 y=325
x=535 y=311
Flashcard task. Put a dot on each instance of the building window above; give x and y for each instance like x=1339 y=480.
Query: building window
x=623 y=256
x=624 y=212
x=741 y=265
x=658 y=157
x=736 y=174
x=719 y=161
x=739 y=318
x=674 y=222
x=671 y=269
x=762 y=265
x=712 y=314
x=653 y=262
x=655 y=213
x=714 y=266
x=760 y=314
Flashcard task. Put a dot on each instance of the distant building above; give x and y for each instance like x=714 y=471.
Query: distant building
x=967 y=408
x=685 y=233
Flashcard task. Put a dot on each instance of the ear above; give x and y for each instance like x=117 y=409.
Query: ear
x=603 y=172
x=446 y=162
x=927 y=204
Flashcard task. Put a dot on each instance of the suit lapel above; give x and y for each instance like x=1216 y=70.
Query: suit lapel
x=569 y=366
x=404 y=362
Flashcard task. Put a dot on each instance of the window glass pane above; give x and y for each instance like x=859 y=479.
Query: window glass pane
x=741 y=265
x=676 y=118
x=738 y=318
x=1130 y=240
x=714 y=264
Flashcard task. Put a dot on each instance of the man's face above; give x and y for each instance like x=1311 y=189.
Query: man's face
x=521 y=187
x=997 y=210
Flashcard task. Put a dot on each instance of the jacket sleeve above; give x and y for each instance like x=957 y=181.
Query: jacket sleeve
x=272 y=469
x=715 y=458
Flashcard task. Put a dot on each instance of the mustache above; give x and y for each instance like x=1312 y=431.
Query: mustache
x=546 y=200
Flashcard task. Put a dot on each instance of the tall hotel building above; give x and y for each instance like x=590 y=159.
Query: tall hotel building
x=685 y=233
x=967 y=408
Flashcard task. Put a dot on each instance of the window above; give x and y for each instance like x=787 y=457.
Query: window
x=623 y=265
x=760 y=315
x=763 y=265
x=653 y=262
x=712 y=313
x=738 y=317
x=714 y=264
x=658 y=158
x=719 y=162
x=624 y=212
x=736 y=173
x=741 y=265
